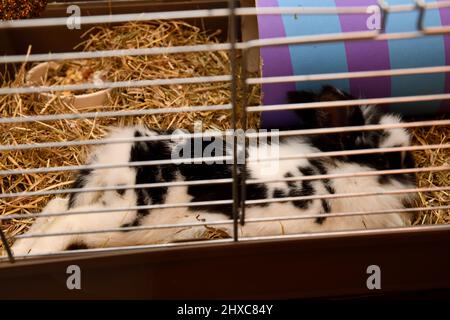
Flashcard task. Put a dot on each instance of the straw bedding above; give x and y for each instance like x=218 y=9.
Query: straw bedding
x=130 y=35
x=430 y=158
x=143 y=35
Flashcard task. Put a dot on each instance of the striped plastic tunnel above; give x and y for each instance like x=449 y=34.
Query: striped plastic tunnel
x=350 y=56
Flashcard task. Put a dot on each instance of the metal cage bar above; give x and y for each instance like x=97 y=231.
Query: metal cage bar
x=228 y=202
x=229 y=222
x=6 y=245
x=300 y=132
x=186 y=14
x=313 y=155
x=238 y=200
x=232 y=34
x=242 y=239
x=116 y=84
x=223 y=181
x=198 y=135
x=361 y=35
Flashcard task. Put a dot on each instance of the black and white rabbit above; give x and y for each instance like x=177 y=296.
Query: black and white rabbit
x=287 y=146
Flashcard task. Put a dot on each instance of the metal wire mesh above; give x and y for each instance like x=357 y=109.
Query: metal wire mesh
x=238 y=201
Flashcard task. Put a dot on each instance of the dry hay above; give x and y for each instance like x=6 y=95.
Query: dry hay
x=432 y=158
x=71 y=73
x=130 y=35
x=140 y=35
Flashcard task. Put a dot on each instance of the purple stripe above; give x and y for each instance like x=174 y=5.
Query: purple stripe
x=365 y=55
x=276 y=62
x=445 y=21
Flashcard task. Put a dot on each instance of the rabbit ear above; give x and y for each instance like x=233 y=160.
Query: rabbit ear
x=338 y=116
x=308 y=116
x=326 y=117
x=330 y=117
x=301 y=96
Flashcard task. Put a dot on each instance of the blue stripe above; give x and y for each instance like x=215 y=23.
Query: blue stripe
x=420 y=52
x=315 y=58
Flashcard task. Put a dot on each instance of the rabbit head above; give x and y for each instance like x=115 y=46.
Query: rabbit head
x=348 y=116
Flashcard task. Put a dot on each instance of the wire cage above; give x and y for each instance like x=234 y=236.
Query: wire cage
x=308 y=264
